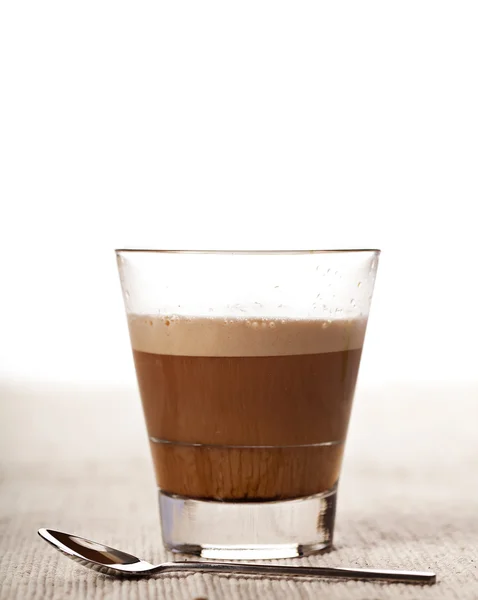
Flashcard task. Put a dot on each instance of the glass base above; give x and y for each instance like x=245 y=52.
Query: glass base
x=248 y=530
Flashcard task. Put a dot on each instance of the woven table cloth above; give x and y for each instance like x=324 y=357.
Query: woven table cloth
x=76 y=458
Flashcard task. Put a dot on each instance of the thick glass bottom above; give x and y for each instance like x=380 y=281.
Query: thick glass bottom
x=248 y=530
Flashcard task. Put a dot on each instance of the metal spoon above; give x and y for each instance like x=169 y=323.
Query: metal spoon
x=115 y=562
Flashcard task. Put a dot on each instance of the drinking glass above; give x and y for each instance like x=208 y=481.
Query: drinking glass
x=246 y=365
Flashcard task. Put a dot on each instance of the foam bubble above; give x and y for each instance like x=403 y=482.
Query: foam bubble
x=207 y=336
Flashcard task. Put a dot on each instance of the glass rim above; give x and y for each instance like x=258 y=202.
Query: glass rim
x=375 y=251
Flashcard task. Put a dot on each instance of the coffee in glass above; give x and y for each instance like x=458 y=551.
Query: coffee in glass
x=246 y=365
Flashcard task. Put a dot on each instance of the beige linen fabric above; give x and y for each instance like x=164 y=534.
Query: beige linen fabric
x=76 y=459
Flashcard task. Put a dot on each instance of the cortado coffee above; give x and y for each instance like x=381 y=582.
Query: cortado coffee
x=246 y=409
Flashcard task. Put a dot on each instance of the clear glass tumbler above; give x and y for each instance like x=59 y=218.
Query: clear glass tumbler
x=246 y=364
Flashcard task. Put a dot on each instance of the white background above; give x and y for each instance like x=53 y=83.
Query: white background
x=236 y=125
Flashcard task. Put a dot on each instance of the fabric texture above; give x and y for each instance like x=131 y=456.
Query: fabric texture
x=76 y=459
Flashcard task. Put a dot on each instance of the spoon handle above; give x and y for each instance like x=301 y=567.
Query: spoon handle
x=420 y=577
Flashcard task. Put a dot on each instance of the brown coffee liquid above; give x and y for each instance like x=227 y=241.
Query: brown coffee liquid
x=241 y=427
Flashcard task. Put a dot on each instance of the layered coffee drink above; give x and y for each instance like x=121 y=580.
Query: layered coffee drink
x=242 y=409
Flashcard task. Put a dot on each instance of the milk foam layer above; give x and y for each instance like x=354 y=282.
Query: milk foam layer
x=202 y=336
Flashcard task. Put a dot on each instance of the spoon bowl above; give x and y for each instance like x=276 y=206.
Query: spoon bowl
x=95 y=555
